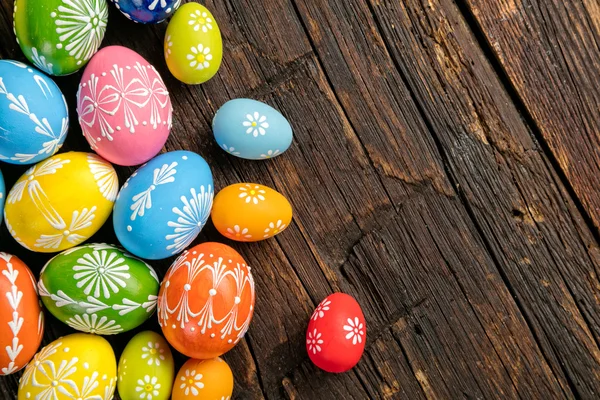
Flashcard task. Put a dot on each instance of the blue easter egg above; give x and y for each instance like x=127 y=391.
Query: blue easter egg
x=147 y=11
x=163 y=206
x=251 y=129
x=34 y=118
x=2 y=196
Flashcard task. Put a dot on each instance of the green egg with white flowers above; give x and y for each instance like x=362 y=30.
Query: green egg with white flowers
x=60 y=36
x=99 y=288
x=146 y=368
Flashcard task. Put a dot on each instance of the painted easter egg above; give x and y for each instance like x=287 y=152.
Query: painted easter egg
x=124 y=107
x=193 y=44
x=98 y=288
x=60 y=36
x=77 y=366
x=206 y=301
x=336 y=335
x=250 y=129
x=146 y=369
x=163 y=206
x=248 y=212
x=34 y=118
x=147 y=11
x=203 y=380
x=61 y=202
x=22 y=319
x=2 y=196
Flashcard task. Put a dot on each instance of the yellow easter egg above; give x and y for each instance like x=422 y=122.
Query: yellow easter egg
x=77 y=366
x=203 y=380
x=61 y=202
x=249 y=212
x=193 y=45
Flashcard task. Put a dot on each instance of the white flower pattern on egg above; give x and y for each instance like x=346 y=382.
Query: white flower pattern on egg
x=201 y=20
x=355 y=330
x=200 y=57
x=192 y=382
x=103 y=272
x=256 y=124
x=148 y=388
x=238 y=232
x=274 y=228
x=270 y=154
x=321 y=308
x=102 y=326
x=314 y=341
x=252 y=194
x=154 y=353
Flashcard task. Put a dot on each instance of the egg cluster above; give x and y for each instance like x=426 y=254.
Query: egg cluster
x=205 y=302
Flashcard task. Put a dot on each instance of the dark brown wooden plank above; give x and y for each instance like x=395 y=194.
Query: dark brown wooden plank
x=550 y=51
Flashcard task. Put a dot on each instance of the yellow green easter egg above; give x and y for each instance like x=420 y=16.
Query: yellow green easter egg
x=193 y=44
x=146 y=368
x=77 y=366
x=61 y=202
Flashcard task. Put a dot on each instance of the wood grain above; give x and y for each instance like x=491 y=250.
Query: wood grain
x=417 y=188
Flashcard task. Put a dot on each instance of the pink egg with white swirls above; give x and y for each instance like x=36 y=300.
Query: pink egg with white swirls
x=124 y=107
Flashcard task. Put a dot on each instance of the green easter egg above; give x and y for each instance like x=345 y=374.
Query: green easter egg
x=98 y=288
x=146 y=369
x=60 y=36
x=193 y=44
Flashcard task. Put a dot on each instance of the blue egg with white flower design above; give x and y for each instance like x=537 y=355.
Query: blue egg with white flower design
x=162 y=207
x=252 y=130
x=2 y=196
x=147 y=11
x=34 y=118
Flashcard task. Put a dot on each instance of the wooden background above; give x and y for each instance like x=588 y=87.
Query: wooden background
x=445 y=171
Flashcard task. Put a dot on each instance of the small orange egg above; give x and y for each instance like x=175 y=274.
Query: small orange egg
x=206 y=301
x=203 y=380
x=249 y=212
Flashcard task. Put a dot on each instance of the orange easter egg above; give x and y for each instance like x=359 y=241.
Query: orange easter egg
x=203 y=380
x=206 y=301
x=248 y=212
x=21 y=317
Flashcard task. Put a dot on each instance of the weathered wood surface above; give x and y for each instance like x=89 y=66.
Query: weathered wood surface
x=417 y=187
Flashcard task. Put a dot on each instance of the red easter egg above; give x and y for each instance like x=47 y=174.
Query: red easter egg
x=206 y=301
x=336 y=335
x=21 y=317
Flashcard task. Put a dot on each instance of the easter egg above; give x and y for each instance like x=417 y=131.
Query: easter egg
x=206 y=301
x=250 y=129
x=248 y=212
x=34 y=118
x=193 y=45
x=203 y=380
x=61 y=202
x=77 y=366
x=336 y=335
x=146 y=369
x=98 y=288
x=147 y=11
x=60 y=36
x=163 y=206
x=124 y=107
x=2 y=196
x=22 y=325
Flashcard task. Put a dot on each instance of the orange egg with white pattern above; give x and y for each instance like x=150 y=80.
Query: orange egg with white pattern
x=203 y=380
x=21 y=317
x=249 y=212
x=206 y=301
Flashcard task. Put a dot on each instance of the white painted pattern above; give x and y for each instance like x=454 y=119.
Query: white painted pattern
x=219 y=270
x=103 y=271
x=148 y=388
x=80 y=25
x=256 y=124
x=191 y=383
x=252 y=193
x=321 y=309
x=105 y=176
x=118 y=95
x=143 y=201
x=93 y=324
x=154 y=353
x=14 y=297
x=190 y=218
x=201 y=20
x=274 y=228
x=355 y=330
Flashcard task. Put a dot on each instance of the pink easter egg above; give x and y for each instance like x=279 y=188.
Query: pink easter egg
x=124 y=107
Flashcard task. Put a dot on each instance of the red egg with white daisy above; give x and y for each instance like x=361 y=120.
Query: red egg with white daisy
x=336 y=334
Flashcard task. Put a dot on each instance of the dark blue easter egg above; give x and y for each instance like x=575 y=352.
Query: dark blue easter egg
x=147 y=11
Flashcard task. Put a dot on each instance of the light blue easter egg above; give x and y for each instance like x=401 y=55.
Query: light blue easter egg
x=2 y=196
x=34 y=118
x=250 y=129
x=163 y=206
x=147 y=11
